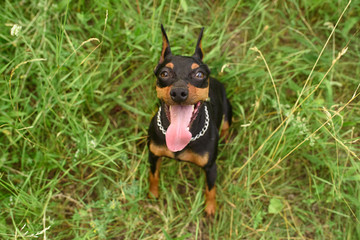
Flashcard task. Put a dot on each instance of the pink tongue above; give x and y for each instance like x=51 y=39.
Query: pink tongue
x=178 y=134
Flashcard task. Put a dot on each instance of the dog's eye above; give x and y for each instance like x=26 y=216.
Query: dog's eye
x=164 y=74
x=199 y=75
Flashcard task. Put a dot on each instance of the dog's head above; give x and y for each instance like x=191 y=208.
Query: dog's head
x=182 y=84
x=182 y=80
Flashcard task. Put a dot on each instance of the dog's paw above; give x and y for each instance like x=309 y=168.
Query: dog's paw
x=210 y=208
x=153 y=194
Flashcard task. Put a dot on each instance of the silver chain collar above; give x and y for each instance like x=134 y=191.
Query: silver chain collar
x=200 y=134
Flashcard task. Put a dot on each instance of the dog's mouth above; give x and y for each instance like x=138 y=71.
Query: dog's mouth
x=181 y=118
x=182 y=111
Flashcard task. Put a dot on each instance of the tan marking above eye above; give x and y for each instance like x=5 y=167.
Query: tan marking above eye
x=170 y=65
x=194 y=66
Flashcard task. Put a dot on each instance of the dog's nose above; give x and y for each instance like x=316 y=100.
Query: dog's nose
x=179 y=94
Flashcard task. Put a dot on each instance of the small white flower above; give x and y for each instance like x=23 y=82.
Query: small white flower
x=23 y=227
x=224 y=66
x=15 y=30
x=77 y=154
x=93 y=143
x=329 y=25
x=343 y=51
x=312 y=142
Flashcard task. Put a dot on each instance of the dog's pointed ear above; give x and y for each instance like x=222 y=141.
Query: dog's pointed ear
x=165 y=47
x=198 y=50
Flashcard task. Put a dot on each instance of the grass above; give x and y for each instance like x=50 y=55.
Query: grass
x=77 y=93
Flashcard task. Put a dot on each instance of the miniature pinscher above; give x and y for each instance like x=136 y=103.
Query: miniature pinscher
x=193 y=108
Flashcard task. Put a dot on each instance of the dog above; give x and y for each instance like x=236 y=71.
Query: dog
x=193 y=109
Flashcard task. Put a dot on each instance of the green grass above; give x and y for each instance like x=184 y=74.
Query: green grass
x=77 y=93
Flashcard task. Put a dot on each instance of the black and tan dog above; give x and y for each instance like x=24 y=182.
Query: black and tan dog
x=193 y=108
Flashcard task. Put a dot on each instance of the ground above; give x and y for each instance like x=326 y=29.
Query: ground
x=77 y=94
